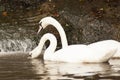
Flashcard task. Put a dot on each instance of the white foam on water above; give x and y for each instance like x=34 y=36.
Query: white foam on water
x=13 y=45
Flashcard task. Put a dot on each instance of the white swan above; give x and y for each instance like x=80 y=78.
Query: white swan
x=51 y=21
x=94 y=53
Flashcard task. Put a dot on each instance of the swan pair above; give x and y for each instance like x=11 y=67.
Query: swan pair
x=97 y=52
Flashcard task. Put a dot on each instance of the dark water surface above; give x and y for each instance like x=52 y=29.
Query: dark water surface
x=17 y=66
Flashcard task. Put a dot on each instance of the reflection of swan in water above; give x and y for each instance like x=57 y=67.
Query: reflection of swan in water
x=75 y=68
x=51 y=21
x=97 y=52
x=38 y=66
x=56 y=70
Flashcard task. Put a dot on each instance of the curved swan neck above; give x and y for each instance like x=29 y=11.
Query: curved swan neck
x=53 y=43
x=62 y=34
x=57 y=25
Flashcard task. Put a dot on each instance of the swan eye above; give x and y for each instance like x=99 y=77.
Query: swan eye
x=40 y=27
x=40 y=24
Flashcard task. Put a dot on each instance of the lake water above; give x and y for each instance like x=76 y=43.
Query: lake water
x=17 y=66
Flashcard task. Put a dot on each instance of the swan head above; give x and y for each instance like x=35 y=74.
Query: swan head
x=35 y=53
x=44 y=22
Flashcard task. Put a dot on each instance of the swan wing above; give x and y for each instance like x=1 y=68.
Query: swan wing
x=84 y=53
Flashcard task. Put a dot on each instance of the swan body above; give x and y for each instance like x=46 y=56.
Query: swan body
x=93 y=53
x=51 y=21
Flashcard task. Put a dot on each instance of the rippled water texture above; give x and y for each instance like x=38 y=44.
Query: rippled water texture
x=14 y=38
x=84 y=21
x=17 y=66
